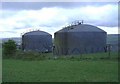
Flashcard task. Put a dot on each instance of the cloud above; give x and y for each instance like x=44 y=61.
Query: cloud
x=54 y=18
x=110 y=30
x=39 y=5
x=9 y=32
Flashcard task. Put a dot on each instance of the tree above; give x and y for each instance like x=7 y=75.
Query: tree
x=9 y=47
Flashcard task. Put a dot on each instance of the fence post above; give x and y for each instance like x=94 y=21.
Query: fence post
x=109 y=50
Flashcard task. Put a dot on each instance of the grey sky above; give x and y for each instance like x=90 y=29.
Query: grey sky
x=39 y=5
x=52 y=16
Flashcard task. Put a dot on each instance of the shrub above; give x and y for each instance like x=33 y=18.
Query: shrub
x=9 y=48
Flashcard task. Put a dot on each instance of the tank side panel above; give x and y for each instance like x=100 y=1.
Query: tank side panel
x=60 y=43
x=79 y=42
x=86 y=42
x=41 y=43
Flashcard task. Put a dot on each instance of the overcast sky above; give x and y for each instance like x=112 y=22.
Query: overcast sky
x=21 y=17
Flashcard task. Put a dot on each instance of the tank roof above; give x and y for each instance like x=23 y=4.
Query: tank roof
x=38 y=32
x=81 y=28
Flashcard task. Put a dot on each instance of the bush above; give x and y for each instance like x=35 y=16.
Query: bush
x=9 y=48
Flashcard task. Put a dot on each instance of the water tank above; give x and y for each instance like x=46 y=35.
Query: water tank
x=37 y=41
x=79 y=39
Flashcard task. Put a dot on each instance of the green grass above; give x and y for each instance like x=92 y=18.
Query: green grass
x=60 y=70
x=39 y=67
x=0 y=64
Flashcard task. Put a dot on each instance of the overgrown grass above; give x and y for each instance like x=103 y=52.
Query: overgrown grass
x=60 y=71
x=47 y=56
x=95 y=56
x=29 y=56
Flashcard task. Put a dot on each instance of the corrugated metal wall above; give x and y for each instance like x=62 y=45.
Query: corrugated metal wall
x=40 y=43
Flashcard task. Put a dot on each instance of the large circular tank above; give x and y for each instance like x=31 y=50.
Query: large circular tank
x=37 y=41
x=79 y=39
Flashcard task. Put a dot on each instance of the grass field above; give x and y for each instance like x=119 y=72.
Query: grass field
x=60 y=70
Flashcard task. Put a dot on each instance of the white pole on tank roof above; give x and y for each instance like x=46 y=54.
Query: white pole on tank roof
x=82 y=21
